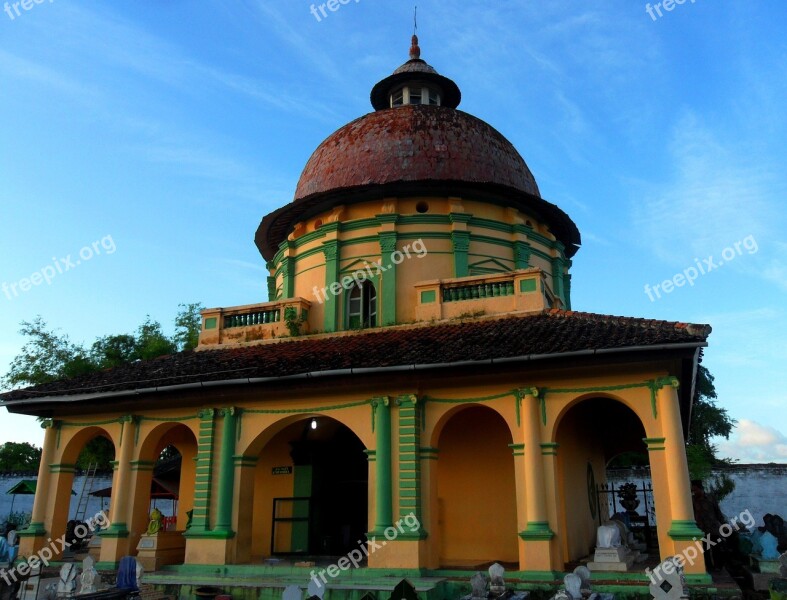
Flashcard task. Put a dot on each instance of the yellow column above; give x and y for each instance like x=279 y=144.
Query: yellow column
x=683 y=530
x=114 y=540
x=537 y=535
x=33 y=538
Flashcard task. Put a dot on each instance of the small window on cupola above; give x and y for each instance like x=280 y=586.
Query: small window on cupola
x=397 y=98
x=434 y=98
x=415 y=95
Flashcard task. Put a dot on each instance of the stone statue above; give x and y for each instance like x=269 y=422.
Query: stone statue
x=87 y=581
x=67 y=584
x=608 y=536
x=783 y=562
x=497 y=584
x=573 y=585
x=584 y=574
x=478 y=583
x=156 y=522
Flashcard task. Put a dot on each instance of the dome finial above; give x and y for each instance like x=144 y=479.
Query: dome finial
x=415 y=50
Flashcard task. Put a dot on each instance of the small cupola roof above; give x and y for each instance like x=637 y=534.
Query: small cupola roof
x=415 y=70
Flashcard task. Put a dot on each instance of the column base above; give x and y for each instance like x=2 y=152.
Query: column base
x=209 y=548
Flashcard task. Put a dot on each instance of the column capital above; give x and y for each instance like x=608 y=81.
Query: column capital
x=406 y=398
x=207 y=414
x=380 y=401
x=229 y=411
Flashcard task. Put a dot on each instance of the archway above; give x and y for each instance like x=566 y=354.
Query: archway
x=164 y=478
x=589 y=435
x=310 y=492
x=85 y=466
x=476 y=490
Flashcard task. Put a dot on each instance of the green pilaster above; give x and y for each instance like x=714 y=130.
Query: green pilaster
x=288 y=273
x=567 y=290
x=226 y=471
x=271 y=281
x=200 y=522
x=461 y=242
x=331 y=250
x=409 y=461
x=382 y=461
x=387 y=248
x=522 y=249
x=557 y=279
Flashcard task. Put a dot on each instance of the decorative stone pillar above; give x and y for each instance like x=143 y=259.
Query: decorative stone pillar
x=382 y=460
x=388 y=277
x=683 y=530
x=226 y=472
x=114 y=539
x=537 y=534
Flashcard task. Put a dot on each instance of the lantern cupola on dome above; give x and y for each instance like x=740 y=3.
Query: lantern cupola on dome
x=415 y=82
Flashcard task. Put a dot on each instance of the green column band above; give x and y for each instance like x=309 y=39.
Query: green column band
x=383 y=492
x=200 y=522
x=226 y=471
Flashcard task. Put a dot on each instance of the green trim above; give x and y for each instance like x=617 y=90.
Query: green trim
x=245 y=461
x=383 y=478
x=107 y=565
x=226 y=470
x=115 y=531
x=424 y=219
x=387 y=240
x=549 y=448
x=685 y=531
x=527 y=285
x=288 y=277
x=654 y=444
x=428 y=296
x=410 y=415
x=204 y=470
x=537 y=531
x=33 y=530
x=216 y=535
x=62 y=468
x=517 y=449
x=461 y=245
x=142 y=465
x=332 y=250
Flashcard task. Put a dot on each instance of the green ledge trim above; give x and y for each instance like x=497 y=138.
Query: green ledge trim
x=654 y=444
x=115 y=531
x=141 y=465
x=107 y=565
x=549 y=448
x=216 y=534
x=685 y=531
x=517 y=449
x=33 y=530
x=245 y=461
x=537 y=530
x=62 y=468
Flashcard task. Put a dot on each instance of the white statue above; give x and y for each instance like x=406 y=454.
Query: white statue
x=497 y=584
x=87 y=581
x=608 y=536
x=67 y=584
x=573 y=585
x=584 y=574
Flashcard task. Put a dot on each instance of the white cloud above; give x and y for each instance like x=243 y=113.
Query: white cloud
x=752 y=442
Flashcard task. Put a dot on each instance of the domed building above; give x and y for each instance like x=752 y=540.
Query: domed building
x=416 y=397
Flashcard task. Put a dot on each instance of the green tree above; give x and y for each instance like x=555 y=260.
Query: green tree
x=19 y=456
x=46 y=356
x=188 y=324
x=49 y=356
x=99 y=451
x=708 y=420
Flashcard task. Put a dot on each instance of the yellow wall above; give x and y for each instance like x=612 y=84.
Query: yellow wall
x=476 y=493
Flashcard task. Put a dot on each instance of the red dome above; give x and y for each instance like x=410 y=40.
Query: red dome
x=414 y=143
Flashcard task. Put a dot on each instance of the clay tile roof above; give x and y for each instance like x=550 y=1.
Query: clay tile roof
x=551 y=332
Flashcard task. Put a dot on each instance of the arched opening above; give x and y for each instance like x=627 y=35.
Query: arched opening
x=310 y=488
x=164 y=480
x=476 y=490
x=590 y=435
x=362 y=306
x=85 y=467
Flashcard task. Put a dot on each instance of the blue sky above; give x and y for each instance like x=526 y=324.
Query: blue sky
x=168 y=129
